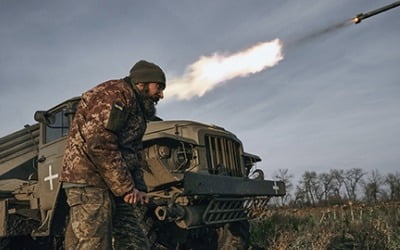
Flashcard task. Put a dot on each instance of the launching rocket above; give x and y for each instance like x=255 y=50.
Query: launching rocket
x=362 y=16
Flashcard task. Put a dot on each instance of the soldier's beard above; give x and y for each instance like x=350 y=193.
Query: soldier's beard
x=149 y=103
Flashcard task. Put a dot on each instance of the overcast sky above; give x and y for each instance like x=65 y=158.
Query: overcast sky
x=332 y=102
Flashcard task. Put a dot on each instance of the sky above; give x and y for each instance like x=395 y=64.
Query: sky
x=332 y=102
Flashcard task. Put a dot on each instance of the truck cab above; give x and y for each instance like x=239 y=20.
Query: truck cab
x=198 y=176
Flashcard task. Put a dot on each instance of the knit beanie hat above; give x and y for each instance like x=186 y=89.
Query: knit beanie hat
x=144 y=71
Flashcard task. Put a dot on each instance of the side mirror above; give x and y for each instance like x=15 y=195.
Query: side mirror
x=257 y=174
x=44 y=117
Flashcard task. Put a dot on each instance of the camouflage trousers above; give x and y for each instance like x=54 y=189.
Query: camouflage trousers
x=98 y=220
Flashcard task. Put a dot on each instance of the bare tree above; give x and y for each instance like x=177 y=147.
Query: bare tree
x=283 y=175
x=300 y=196
x=393 y=181
x=373 y=186
x=309 y=185
x=352 y=180
x=337 y=183
x=326 y=186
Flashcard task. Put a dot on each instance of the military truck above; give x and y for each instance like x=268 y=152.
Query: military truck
x=203 y=187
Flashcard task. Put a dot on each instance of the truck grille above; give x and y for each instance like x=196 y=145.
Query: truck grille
x=223 y=156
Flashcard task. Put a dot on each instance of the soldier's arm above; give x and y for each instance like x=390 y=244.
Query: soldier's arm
x=136 y=163
x=102 y=142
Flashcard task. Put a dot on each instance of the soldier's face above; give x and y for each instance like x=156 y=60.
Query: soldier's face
x=155 y=91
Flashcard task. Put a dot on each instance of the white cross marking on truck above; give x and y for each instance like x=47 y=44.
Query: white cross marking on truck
x=275 y=187
x=51 y=177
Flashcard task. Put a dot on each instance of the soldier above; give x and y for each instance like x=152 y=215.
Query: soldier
x=101 y=172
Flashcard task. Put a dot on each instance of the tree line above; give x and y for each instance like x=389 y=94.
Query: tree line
x=338 y=186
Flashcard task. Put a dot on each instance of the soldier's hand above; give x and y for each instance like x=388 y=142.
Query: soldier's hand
x=136 y=197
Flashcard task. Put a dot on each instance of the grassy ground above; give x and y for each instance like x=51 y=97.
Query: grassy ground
x=338 y=227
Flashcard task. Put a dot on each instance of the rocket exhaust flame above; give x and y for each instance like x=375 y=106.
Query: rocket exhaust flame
x=209 y=71
x=361 y=16
x=333 y=28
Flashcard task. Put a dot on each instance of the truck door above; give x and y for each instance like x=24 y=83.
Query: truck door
x=49 y=162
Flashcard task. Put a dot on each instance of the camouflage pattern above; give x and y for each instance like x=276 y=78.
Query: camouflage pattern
x=89 y=223
x=97 y=219
x=128 y=231
x=104 y=153
x=105 y=141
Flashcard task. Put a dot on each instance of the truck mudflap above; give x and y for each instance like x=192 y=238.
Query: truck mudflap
x=220 y=185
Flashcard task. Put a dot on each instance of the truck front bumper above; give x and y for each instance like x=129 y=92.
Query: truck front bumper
x=207 y=184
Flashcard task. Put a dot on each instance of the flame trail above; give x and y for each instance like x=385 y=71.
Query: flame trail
x=204 y=74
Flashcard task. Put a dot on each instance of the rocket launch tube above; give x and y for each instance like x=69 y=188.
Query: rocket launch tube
x=363 y=16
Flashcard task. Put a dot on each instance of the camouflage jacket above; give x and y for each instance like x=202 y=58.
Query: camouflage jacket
x=104 y=147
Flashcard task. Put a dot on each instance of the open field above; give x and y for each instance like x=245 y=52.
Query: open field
x=350 y=226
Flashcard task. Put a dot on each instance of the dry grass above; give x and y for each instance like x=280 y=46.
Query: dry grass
x=338 y=227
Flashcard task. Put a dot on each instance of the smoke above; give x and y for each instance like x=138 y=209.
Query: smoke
x=321 y=32
x=209 y=71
